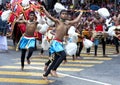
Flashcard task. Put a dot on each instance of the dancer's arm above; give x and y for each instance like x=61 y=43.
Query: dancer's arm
x=77 y=19
x=49 y=15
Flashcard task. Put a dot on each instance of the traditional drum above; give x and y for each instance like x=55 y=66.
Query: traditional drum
x=117 y=32
x=100 y=35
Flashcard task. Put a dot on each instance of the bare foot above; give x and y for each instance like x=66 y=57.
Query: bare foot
x=105 y=56
x=44 y=77
x=22 y=68
x=95 y=55
x=116 y=53
x=41 y=55
x=28 y=61
x=64 y=61
x=45 y=68
x=79 y=57
x=53 y=73
x=73 y=58
x=88 y=53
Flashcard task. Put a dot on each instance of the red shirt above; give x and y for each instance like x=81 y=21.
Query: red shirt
x=99 y=28
x=0 y=12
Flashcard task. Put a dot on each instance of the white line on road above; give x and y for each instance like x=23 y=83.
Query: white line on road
x=85 y=79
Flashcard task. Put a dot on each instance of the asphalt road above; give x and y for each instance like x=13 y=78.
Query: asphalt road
x=88 y=71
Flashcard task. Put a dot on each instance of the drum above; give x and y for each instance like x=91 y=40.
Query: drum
x=117 y=32
x=100 y=35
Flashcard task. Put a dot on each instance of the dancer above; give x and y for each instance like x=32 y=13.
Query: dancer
x=27 y=41
x=56 y=47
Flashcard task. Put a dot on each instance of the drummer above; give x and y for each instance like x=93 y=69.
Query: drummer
x=99 y=29
x=116 y=38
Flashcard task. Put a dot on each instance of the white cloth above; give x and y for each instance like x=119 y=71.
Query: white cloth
x=71 y=31
x=45 y=44
x=25 y=3
x=5 y=15
x=58 y=7
x=87 y=43
x=111 y=31
x=81 y=1
x=3 y=43
x=108 y=22
x=71 y=48
x=103 y=12
x=43 y=28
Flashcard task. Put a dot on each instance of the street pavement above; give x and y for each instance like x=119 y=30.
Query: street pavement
x=89 y=70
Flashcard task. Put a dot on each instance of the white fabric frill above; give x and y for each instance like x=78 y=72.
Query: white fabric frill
x=58 y=7
x=71 y=48
x=111 y=31
x=45 y=44
x=73 y=36
x=44 y=28
x=103 y=12
x=25 y=3
x=87 y=43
